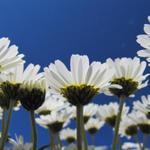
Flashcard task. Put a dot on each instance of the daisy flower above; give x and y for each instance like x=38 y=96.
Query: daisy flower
x=141 y=120
x=128 y=127
x=20 y=74
x=143 y=105
x=53 y=102
x=54 y=121
x=9 y=55
x=144 y=41
x=128 y=74
x=93 y=125
x=108 y=113
x=68 y=134
x=32 y=94
x=82 y=82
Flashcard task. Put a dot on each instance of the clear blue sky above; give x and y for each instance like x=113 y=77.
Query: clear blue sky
x=46 y=30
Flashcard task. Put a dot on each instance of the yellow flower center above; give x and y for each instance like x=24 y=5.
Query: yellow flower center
x=79 y=94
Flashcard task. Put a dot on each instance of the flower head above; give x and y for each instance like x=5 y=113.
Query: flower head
x=69 y=135
x=144 y=41
x=109 y=112
x=93 y=125
x=32 y=94
x=54 y=121
x=128 y=74
x=9 y=56
x=82 y=83
x=141 y=120
x=53 y=102
x=143 y=106
x=128 y=127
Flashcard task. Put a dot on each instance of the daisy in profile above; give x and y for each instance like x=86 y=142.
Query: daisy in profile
x=93 y=125
x=82 y=82
x=32 y=94
x=128 y=127
x=54 y=121
x=141 y=120
x=144 y=41
x=69 y=135
x=129 y=74
x=9 y=55
x=79 y=84
x=143 y=106
x=108 y=113
x=53 y=102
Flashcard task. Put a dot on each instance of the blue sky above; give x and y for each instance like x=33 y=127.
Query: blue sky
x=46 y=30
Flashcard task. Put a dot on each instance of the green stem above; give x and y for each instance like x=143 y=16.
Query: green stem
x=33 y=128
x=117 y=124
x=3 y=122
x=6 y=128
x=80 y=136
x=144 y=141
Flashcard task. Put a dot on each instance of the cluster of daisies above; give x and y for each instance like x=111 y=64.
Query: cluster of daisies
x=58 y=97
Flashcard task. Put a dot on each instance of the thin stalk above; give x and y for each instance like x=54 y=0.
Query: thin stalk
x=33 y=128
x=6 y=128
x=80 y=136
x=3 y=122
x=137 y=141
x=117 y=124
x=144 y=141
